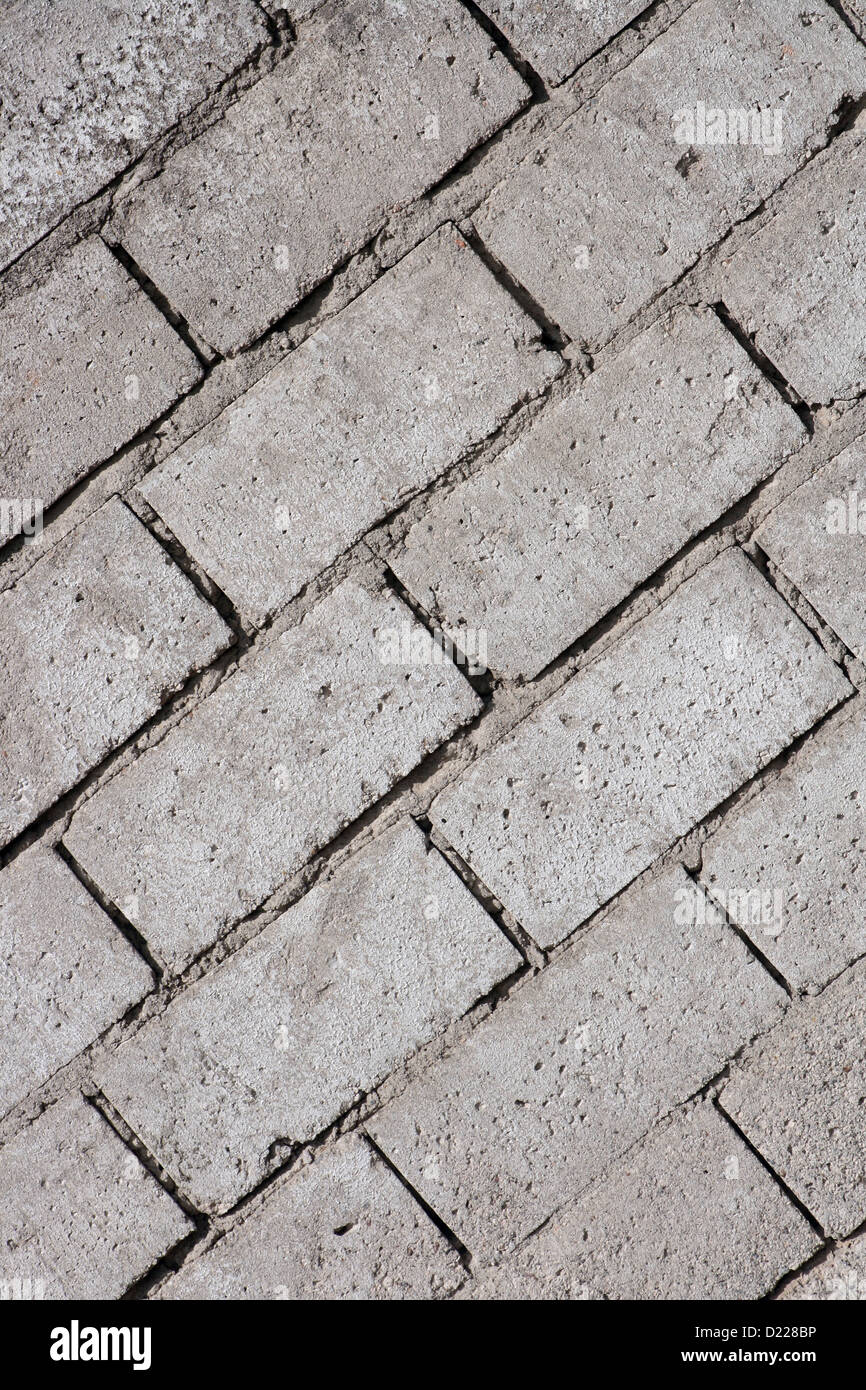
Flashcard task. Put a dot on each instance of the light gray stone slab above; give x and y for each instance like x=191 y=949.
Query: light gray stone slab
x=95 y=637
x=431 y=359
x=840 y=1278
x=627 y=194
x=603 y=488
x=312 y=729
x=557 y=38
x=638 y=747
x=321 y=162
x=567 y=1073
x=81 y=1217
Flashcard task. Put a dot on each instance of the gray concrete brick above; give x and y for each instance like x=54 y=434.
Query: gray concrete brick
x=277 y=1043
x=343 y=1228
x=798 y=286
x=603 y=488
x=816 y=536
x=799 y=1100
x=80 y=1215
x=310 y=731
x=432 y=357
x=66 y=972
x=626 y=195
x=95 y=637
x=556 y=39
x=841 y=1277
x=86 y=89
x=638 y=747
x=788 y=865
x=689 y=1213
x=88 y=362
x=578 y=1064
x=321 y=163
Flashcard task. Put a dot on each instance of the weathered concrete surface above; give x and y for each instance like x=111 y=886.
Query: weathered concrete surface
x=573 y=1068
x=592 y=787
x=432 y=358
x=799 y=1099
x=604 y=487
x=311 y=730
x=88 y=362
x=342 y=1228
x=688 y=1213
x=80 y=1215
x=278 y=1042
x=841 y=1277
x=95 y=637
x=629 y=192
x=557 y=38
x=322 y=164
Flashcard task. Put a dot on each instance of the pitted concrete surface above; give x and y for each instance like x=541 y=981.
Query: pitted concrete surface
x=432 y=594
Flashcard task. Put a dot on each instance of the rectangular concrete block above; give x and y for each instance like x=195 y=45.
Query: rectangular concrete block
x=277 y=1043
x=603 y=488
x=546 y=1093
x=799 y=1099
x=788 y=865
x=89 y=361
x=688 y=139
x=66 y=972
x=342 y=1228
x=432 y=358
x=87 y=88
x=688 y=1213
x=313 y=728
x=322 y=162
x=589 y=790
x=81 y=1217
x=817 y=537
x=556 y=38
x=94 y=638
x=840 y=1278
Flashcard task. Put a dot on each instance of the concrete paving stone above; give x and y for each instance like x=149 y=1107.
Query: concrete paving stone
x=66 y=972
x=279 y=1041
x=799 y=1099
x=342 y=1228
x=314 y=727
x=87 y=88
x=81 y=1217
x=433 y=357
x=841 y=1277
x=788 y=865
x=556 y=39
x=575 y=1066
x=602 y=489
x=95 y=637
x=627 y=194
x=689 y=1213
x=321 y=164
x=638 y=747
x=88 y=362
x=817 y=537
x=798 y=286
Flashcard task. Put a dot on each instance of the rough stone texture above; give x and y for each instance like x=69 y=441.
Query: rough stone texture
x=799 y=1100
x=66 y=973
x=592 y=787
x=321 y=164
x=841 y=1277
x=614 y=208
x=94 y=638
x=278 y=1042
x=557 y=38
x=798 y=286
x=86 y=88
x=296 y=744
x=79 y=1211
x=604 y=487
x=788 y=865
x=818 y=538
x=578 y=1064
x=433 y=358
x=342 y=1228
x=688 y=1213
x=88 y=362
